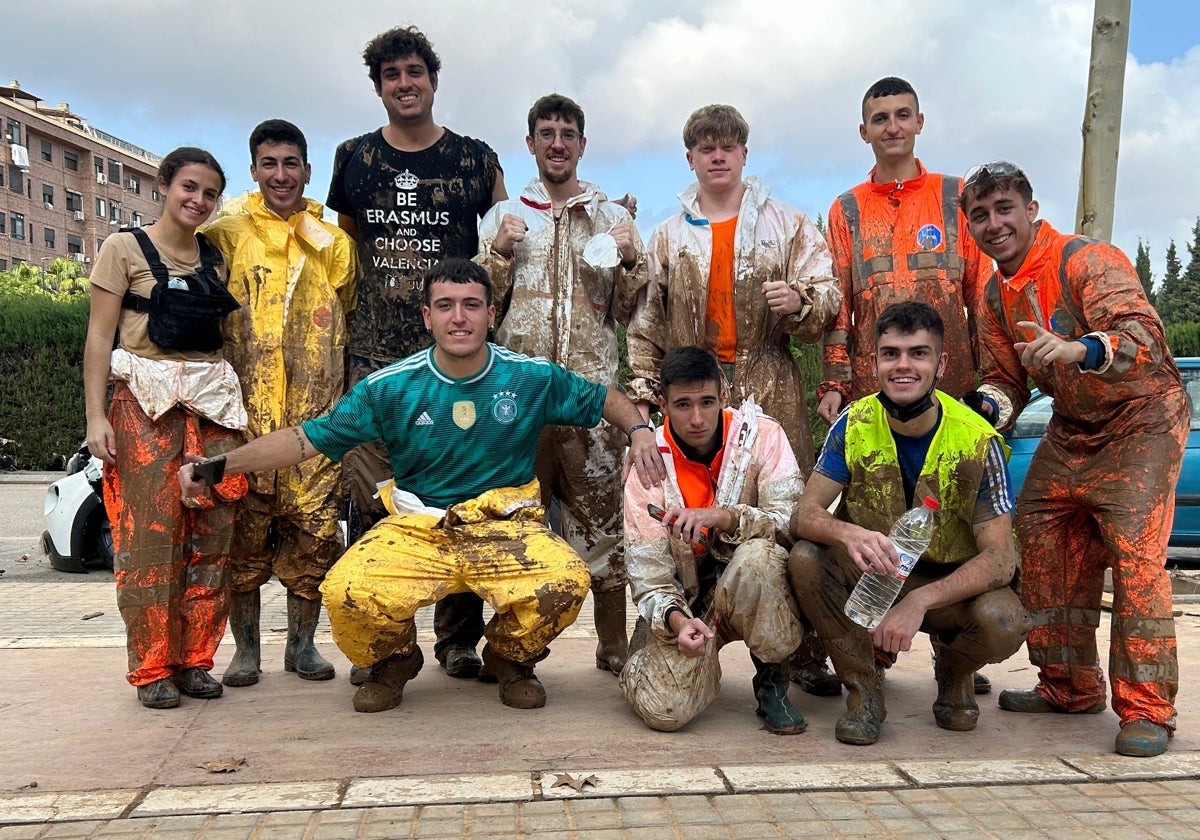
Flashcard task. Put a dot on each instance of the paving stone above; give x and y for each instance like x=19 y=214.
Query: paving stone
x=418 y=790
x=274 y=796
x=752 y=777
x=966 y=772
x=636 y=782
x=64 y=807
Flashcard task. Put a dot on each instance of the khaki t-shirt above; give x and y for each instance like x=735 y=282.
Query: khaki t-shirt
x=121 y=267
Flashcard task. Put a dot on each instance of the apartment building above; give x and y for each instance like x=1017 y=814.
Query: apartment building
x=64 y=184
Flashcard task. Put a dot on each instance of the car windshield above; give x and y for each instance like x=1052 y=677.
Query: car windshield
x=1032 y=421
x=1191 y=385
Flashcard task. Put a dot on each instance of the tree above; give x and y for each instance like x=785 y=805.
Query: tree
x=1167 y=300
x=1190 y=288
x=1142 y=265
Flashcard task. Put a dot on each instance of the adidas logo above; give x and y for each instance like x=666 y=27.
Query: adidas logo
x=424 y=419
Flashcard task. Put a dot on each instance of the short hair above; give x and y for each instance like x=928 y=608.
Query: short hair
x=176 y=159
x=556 y=105
x=688 y=365
x=399 y=42
x=457 y=270
x=908 y=317
x=889 y=86
x=717 y=123
x=277 y=131
x=997 y=176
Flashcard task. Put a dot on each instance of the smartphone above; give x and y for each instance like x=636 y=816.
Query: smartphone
x=657 y=513
x=206 y=470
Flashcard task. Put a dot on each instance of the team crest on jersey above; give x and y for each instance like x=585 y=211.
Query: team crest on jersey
x=504 y=407
x=406 y=180
x=929 y=237
x=464 y=414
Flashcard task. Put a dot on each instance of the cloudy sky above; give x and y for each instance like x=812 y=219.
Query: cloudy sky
x=996 y=80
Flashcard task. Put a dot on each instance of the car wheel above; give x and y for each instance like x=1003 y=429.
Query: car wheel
x=98 y=543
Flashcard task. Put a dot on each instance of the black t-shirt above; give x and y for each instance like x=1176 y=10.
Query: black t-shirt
x=412 y=210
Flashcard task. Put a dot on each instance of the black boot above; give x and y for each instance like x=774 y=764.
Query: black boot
x=301 y=654
x=955 y=708
x=246 y=664
x=810 y=671
x=771 y=691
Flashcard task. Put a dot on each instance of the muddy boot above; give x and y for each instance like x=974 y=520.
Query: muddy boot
x=1031 y=702
x=865 y=708
x=519 y=687
x=386 y=679
x=1142 y=738
x=771 y=691
x=980 y=682
x=809 y=670
x=955 y=708
x=160 y=694
x=612 y=649
x=641 y=634
x=244 y=668
x=358 y=675
x=196 y=682
x=301 y=654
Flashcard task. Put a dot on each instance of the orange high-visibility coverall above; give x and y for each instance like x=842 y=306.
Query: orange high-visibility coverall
x=896 y=242
x=1100 y=489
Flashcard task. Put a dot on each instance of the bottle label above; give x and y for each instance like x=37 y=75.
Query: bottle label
x=907 y=562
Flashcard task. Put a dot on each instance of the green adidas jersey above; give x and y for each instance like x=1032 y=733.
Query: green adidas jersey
x=451 y=439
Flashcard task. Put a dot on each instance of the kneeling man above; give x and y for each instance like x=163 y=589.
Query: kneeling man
x=710 y=568
x=461 y=422
x=884 y=454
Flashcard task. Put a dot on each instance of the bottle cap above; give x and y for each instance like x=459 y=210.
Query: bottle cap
x=930 y=503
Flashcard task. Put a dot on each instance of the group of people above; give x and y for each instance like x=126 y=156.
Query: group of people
x=310 y=341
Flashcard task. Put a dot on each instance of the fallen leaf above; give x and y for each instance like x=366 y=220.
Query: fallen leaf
x=29 y=786
x=567 y=780
x=223 y=765
x=92 y=615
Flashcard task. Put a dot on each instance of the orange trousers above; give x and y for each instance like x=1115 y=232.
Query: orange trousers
x=171 y=562
x=1078 y=513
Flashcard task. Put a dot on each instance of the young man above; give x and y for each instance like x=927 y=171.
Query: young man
x=709 y=568
x=461 y=421
x=555 y=304
x=738 y=273
x=899 y=236
x=410 y=193
x=884 y=455
x=1070 y=313
x=294 y=277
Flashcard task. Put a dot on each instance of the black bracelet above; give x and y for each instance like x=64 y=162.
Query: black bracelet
x=632 y=429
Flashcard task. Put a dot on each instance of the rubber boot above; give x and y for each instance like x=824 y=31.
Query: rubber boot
x=1142 y=738
x=771 y=683
x=865 y=709
x=244 y=668
x=519 y=687
x=384 y=688
x=301 y=654
x=612 y=649
x=955 y=708
x=809 y=670
x=980 y=683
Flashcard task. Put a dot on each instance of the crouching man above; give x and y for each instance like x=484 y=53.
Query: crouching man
x=704 y=556
x=884 y=454
x=461 y=422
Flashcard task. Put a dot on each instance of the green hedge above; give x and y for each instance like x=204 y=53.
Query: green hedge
x=1184 y=339
x=41 y=379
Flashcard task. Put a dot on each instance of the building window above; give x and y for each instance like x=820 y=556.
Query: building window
x=3 y=265
x=71 y=160
x=74 y=244
x=18 y=226
x=74 y=202
x=99 y=242
x=3 y=222
x=14 y=132
x=48 y=196
x=135 y=185
x=99 y=161
x=48 y=233
x=47 y=151
x=155 y=195
x=116 y=212
x=1 y=176
x=16 y=181
x=137 y=219
x=114 y=172
x=17 y=261
x=101 y=208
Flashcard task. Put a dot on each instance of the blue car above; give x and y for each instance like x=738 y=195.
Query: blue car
x=1027 y=432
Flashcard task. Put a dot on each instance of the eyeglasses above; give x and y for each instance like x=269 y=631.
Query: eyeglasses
x=991 y=171
x=547 y=135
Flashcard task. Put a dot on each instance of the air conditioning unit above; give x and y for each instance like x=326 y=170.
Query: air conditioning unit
x=136 y=223
x=79 y=215
x=133 y=183
x=47 y=205
x=101 y=178
x=79 y=257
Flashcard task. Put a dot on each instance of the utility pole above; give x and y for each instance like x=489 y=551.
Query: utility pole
x=1102 y=119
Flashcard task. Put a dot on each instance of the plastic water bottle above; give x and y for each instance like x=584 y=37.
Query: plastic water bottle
x=875 y=593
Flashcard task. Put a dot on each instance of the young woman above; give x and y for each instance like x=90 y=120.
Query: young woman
x=160 y=292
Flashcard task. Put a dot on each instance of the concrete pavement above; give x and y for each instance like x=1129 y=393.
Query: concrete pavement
x=451 y=761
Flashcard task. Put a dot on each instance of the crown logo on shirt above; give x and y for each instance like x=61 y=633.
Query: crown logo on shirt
x=407 y=181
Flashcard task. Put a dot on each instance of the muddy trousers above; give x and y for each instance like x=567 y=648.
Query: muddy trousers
x=531 y=578
x=581 y=468
x=171 y=562
x=1076 y=516
x=751 y=601
x=987 y=628
x=299 y=547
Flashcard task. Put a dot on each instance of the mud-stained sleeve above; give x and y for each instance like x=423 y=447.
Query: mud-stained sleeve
x=497 y=267
x=1004 y=377
x=1116 y=310
x=648 y=560
x=648 y=326
x=836 y=350
x=778 y=489
x=343 y=272
x=810 y=272
x=627 y=282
